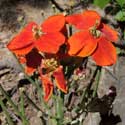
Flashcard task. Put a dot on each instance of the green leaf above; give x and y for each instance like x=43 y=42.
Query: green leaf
x=121 y=2
x=120 y=16
x=101 y=3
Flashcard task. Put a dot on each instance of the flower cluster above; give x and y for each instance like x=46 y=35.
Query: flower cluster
x=94 y=38
x=41 y=48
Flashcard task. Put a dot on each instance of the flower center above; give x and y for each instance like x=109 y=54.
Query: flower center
x=94 y=32
x=49 y=65
x=37 y=32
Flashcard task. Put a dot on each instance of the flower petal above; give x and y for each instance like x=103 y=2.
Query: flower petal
x=76 y=20
x=22 y=59
x=88 y=49
x=105 y=54
x=47 y=87
x=53 y=24
x=50 y=42
x=82 y=44
x=84 y=20
x=24 y=41
x=109 y=33
x=33 y=60
x=60 y=80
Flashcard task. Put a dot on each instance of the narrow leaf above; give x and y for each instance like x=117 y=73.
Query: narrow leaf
x=101 y=3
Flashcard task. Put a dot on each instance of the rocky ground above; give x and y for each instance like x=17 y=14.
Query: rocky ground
x=13 y=15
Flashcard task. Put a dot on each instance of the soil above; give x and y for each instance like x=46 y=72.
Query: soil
x=14 y=14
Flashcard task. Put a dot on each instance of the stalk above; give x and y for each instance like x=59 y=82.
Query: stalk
x=11 y=102
x=59 y=109
x=31 y=102
x=6 y=112
x=22 y=109
x=98 y=76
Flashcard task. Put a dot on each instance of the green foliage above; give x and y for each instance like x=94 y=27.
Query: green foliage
x=121 y=2
x=101 y=3
x=120 y=16
x=120 y=51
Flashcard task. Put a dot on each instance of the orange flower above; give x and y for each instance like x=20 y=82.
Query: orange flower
x=46 y=38
x=94 y=38
x=52 y=72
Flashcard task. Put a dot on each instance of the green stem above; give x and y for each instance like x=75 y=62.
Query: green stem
x=87 y=90
x=31 y=102
x=6 y=112
x=52 y=121
x=22 y=102
x=11 y=102
x=35 y=106
x=98 y=76
x=83 y=96
x=25 y=122
x=40 y=94
x=59 y=109
x=35 y=83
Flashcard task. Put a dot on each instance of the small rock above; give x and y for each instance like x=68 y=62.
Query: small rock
x=92 y=119
x=8 y=60
x=36 y=121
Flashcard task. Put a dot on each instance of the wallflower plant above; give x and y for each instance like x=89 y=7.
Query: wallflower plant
x=42 y=51
x=34 y=39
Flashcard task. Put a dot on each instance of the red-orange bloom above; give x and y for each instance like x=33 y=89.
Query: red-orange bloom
x=47 y=87
x=94 y=39
x=46 y=38
x=46 y=77
x=59 y=79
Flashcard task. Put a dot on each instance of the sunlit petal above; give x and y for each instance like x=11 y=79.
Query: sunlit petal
x=50 y=42
x=84 y=20
x=60 y=80
x=109 y=33
x=82 y=44
x=23 y=42
x=47 y=87
x=105 y=54
x=53 y=23
x=76 y=20
x=22 y=59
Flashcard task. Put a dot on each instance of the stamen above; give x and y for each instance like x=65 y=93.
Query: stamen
x=50 y=64
x=94 y=32
x=37 y=31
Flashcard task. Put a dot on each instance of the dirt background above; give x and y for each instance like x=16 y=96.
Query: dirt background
x=14 y=14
